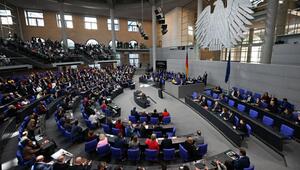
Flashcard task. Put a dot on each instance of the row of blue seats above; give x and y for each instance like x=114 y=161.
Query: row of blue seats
x=135 y=154
x=285 y=130
x=153 y=120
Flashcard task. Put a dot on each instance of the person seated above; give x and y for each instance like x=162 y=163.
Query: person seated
x=76 y=132
x=143 y=130
x=166 y=143
x=242 y=126
x=285 y=105
x=198 y=99
x=119 y=125
x=265 y=98
x=165 y=113
x=120 y=142
x=130 y=129
x=102 y=141
x=191 y=148
x=88 y=110
x=31 y=126
x=29 y=151
x=217 y=90
x=257 y=102
x=217 y=107
x=109 y=123
x=66 y=123
x=155 y=114
x=224 y=111
x=243 y=161
x=248 y=99
x=80 y=164
x=272 y=107
x=234 y=93
x=93 y=119
x=228 y=116
x=103 y=106
x=152 y=143
x=134 y=113
x=60 y=112
x=102 y=166
x=287 y=114
x=198 y=139
x=42 y=109
x=222 y=98
x=91 y=136
x=60 y=164
x=203 y=102
x=40 y=164
x=134 y=143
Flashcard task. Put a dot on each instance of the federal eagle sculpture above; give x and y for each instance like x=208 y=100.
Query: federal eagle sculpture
x=224 y=27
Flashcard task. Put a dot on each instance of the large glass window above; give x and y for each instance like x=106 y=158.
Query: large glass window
x=34 y=18
x=6 y=17
x=117 y=26
x=190 y=30
x=133 y=44
x=255 y=54
x=70 y=43
x=244 y=53
x=92 y=42
x=134 y=60
x=132 y=26
x=68 y=21
x=90 y=23
x=118 y=58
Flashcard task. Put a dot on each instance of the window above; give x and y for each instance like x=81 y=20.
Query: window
x=134 y=60
x=255 y=54
x=133 y=44
x=6 y=17
x=117 y=26
x=244 y=53
x=90 y=23
x=110 y=43
x=190 y=30
x=132 y=26
x=70 y=43
x=118 y=58
x=92 y=42
x=34 y=18
x=68 y=21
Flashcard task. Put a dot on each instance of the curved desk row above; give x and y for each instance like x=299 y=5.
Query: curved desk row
x=142 y=102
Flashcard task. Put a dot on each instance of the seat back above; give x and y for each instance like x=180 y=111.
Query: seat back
x=253 y=114
x=133 y=154
x=103 y=150
x=256 y=95
x=208 y=92
x=184 y=155
x=143 y=119
x=268 y=121
x=286 y=131
x=115 y=131
x=231 y=103
x=158 y=133
x=154 y=120
x=151 y=155
x=209 y=103
x=236 y=121
x=106 y=128
x=249 y=129
x=242 y=91
x=215 y=95
x=90 y=146
x=241 y=107
x=169 y=154
x=194 y=95
x=202 y=149
x=116 y=153
x=166 y=120
x=132 y=119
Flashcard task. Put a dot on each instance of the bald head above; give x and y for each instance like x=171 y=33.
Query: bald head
x=40 y=158
x=78 y=160
x=61 y=158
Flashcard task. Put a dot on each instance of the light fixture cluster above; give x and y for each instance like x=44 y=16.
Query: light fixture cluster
x=160 y=18
x=142 y=32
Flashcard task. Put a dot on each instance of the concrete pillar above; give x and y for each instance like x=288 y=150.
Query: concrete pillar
x=266 y=56
x=113 y=32
x=199 y=10
x=154 y=37
x=63 y=27
x=251 y=34
x=282 y=17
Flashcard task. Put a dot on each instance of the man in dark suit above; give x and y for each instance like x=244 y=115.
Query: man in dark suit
x=243 y=161
x=120 y=142
x=166 y=143
x=191 y=148
x=76 y=132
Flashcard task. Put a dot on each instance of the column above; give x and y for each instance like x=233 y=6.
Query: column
x=269 y=34
x=249 y=52
x=282 y=17
x=154 y=37
x=113 y=32
x=197 y=48
x=63 y=27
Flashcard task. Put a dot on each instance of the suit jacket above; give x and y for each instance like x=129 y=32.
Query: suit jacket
x=241 y=163
x=166 y=144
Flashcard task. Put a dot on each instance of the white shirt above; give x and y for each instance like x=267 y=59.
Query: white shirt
x=93 y=119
